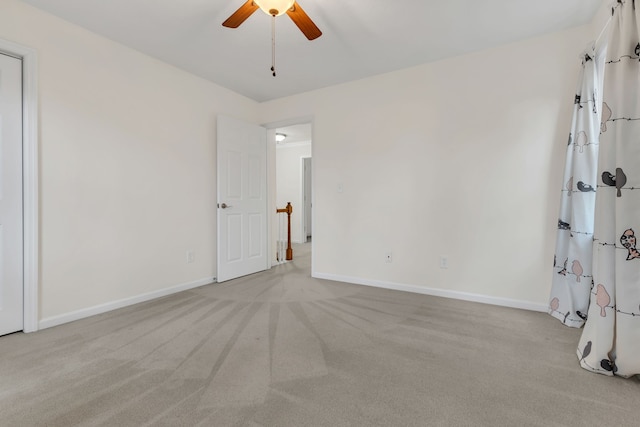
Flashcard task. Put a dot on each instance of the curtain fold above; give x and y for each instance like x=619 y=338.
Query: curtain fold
x=571 y=282
x=610 y=341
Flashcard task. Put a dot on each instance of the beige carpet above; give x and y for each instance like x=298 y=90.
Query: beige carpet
x=281 y=349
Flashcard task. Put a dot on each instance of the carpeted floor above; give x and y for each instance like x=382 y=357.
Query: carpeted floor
x=282 y=349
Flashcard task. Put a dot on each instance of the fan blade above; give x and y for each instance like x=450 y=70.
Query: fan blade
x=240 y=15
x=302 y=20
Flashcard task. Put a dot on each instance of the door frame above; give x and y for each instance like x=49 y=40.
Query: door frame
x=303 y=190
x=30 y=178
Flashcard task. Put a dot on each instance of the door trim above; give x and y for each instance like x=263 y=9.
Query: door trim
x=30 y=178
x=303 y=194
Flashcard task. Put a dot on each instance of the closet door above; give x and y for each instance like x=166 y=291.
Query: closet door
x=11 y=243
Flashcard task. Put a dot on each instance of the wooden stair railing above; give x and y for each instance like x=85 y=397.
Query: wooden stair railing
x=288 y=210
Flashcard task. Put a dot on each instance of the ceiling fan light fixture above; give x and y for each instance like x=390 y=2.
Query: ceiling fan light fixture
x=274 y=7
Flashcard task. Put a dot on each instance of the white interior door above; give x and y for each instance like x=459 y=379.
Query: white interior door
x=11 y=249
x=242 y=198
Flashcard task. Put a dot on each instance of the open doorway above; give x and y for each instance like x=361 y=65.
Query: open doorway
x=293 y=175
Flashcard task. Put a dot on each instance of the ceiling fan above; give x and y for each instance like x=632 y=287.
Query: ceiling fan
x=275 y=8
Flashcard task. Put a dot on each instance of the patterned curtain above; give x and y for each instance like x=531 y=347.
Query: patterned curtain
x=571 y=282
x=610 y=342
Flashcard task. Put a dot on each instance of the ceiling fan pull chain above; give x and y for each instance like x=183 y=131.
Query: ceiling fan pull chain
x=273 y=45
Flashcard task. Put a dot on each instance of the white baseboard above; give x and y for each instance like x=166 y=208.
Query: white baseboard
x=60 y=319
x=484 y=299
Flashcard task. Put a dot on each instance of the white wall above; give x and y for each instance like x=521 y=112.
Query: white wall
x=461 y=158
x=289 y=182
x=127 y=167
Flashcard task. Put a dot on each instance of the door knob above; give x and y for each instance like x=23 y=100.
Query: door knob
x=225 y=206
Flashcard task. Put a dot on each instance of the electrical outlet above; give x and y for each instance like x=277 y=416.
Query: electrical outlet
x=191 y=257
x=444 y=262
x=388 y=257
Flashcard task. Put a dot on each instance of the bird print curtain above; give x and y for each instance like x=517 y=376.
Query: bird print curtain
x=571 y=282
x=610 y=342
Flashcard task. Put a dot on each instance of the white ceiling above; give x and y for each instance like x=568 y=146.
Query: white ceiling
x=296 y=134
x=360 y=37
